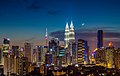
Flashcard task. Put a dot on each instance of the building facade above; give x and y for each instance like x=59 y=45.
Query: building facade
x=24 y=64
x=101 y=56
x=6 y=49
x=110 y=57
x=82 y=50
x=100 y=38
x=54 y=50
x=117 y=58
x=28 y=51
x=69 y=41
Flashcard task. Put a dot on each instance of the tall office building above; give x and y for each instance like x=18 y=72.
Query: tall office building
x=41 y=51
x=40 y=55
x=69 y=41
x=23 y=66
x=1 y=60
x=14 y=60
x=71 y=33
x=100 y=39
x=61 y=58
x=28 y=51
x=117 y=58
x=82 y=49
x=54 y=49
x=1 y=55
x=21 y=52
x=48 y=58
x=110 y=56
x=6 y=48
x=86 y=53
x=34 y=56
x=74 y=52
x=15 y=50
x=101 y=56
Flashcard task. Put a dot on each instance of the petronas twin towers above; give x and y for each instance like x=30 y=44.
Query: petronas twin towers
x=69 y=34
x=69 y=41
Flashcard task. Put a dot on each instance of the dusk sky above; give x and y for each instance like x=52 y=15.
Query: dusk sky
x=25 y=19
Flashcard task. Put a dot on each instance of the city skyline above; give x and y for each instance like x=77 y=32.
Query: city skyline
x=27 y=19
x=59 y=37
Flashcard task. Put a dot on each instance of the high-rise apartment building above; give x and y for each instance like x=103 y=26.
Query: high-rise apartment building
x=28 y=51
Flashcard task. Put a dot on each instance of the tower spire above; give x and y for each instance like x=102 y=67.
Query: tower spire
x=67 y=27
x=71 y=33
x=71 y=25
x=46 y=37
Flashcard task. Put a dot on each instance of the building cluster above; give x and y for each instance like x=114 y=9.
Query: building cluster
x=108 y=56
x=22 y=60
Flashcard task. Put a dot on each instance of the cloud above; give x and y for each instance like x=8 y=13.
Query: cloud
x=35 y=6
x=95 y=28
x=91 y=36
x=50 y=12
x=31 y=4
x=113 y=39
x=86 y=35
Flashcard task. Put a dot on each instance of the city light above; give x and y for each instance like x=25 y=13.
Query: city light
x=59 y=38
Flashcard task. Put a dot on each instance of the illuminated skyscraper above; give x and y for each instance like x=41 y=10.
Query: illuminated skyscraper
x=1 y=55
x=71 y=33
x=110 y=56
x=15 y=50
x=23 y=66
x=82 y=49
x=28 y=51
x=69 y=41
x=100 y=39
x=54 y=50
x=117 y=58
x=1 y=60
x=14 y=60
x=6 y=48
x=41 y=51
x=66 y=35
x=40 y=55
x=34 y=56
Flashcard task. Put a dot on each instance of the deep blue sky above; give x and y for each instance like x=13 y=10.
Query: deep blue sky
x=24 y=19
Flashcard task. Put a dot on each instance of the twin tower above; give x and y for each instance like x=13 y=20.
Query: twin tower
x=69 y=34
